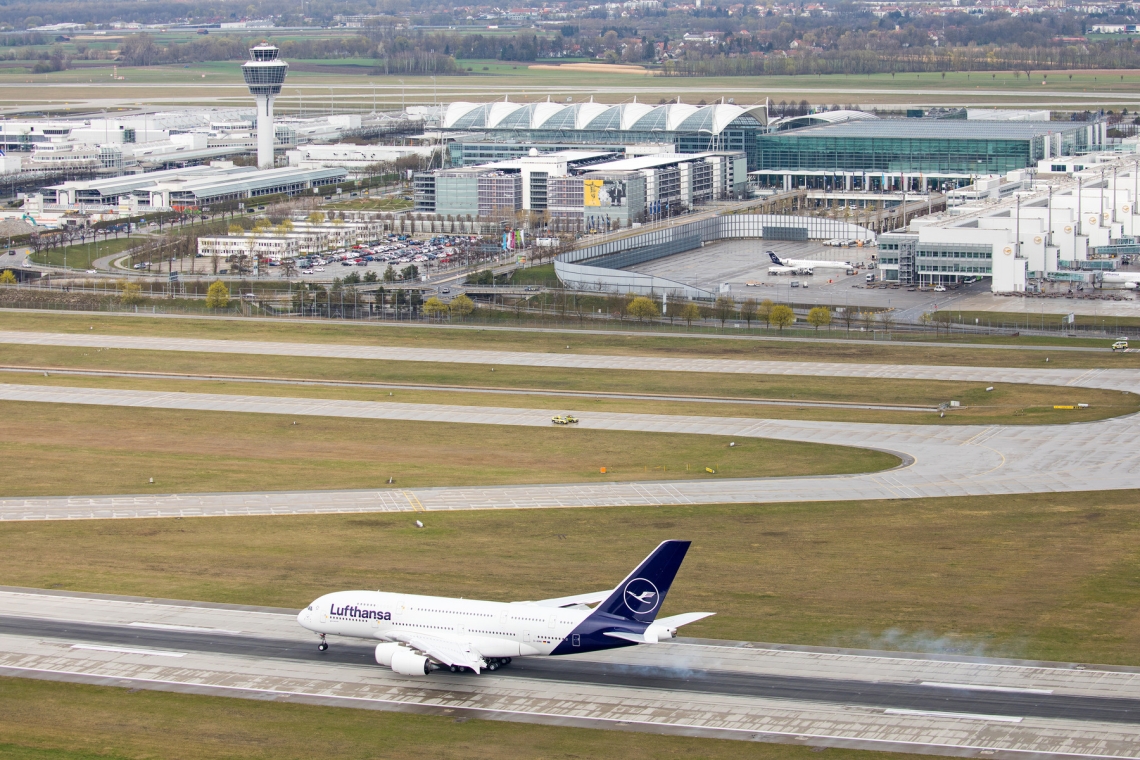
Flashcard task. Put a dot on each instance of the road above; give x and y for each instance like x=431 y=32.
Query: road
x=741 y=690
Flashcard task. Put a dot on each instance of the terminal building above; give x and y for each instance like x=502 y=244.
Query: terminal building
x=688 y=128
x=583 y=189
x=178 y=189
x=1060 y=229
x=913 y=155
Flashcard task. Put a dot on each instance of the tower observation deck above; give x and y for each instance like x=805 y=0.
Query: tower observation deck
x=264 y=74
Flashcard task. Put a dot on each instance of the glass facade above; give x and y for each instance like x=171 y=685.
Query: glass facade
x=913 y=146
x=603 y=133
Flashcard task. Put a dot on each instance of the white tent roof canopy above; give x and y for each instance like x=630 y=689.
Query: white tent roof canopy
x=639 y=117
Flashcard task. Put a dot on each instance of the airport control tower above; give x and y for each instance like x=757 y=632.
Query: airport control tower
x=264 y=75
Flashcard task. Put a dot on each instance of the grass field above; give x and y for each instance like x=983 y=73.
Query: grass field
x=1054 y=576
x=555 y=341
x=1006 y=404
x=41 y=720
x=83 y=256
x=539 y=275
x=1049 y=321
x=117 y=450
x=357 y=87
x=372 y=204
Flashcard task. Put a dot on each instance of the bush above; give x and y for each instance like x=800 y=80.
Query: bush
x=218 y=296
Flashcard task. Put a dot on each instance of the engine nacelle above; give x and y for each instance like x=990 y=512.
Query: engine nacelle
x=384 y=653
x=656 y=633
x=408 y=663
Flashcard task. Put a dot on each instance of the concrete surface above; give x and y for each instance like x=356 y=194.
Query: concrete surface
x=884 y=700
x=938 y=461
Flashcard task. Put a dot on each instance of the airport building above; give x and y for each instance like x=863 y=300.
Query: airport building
x=688 y=128
x=914 y=155
x=192 y=187
x=583 y=189
x=1062 y=228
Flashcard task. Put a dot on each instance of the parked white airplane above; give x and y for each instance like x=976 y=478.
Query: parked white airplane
x=809 y=263
x=426 y=633
x=1125 y=279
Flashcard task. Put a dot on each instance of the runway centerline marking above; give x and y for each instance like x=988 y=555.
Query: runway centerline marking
x=981 y=687
x=123 y=650
x=962 y=716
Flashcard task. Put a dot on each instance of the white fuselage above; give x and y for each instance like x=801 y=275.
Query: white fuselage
x=495 y=629
x=810 y=264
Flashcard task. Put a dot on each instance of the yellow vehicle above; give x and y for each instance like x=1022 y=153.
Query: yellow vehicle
x=563 y=419
x=1120 y=345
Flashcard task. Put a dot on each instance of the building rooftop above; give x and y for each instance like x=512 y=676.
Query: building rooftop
x=648 y=162
x=936 y=129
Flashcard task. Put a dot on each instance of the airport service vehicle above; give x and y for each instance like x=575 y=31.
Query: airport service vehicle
x=1120 y=345
x=795 y=283
x=421 y=634
x=939 y=288
x=808 y=263
x=564 y=419
x=870 y=278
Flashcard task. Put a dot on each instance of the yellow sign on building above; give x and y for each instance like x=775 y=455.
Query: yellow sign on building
x=592 y=192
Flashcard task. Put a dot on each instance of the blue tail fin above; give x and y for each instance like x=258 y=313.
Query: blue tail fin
x=640 y=596
x=775 y=259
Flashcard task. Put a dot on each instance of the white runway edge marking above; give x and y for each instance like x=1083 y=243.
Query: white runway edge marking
x=190 y=628
x=491 y=712
x=977 y=687
x=121 y=650
x=961 y=716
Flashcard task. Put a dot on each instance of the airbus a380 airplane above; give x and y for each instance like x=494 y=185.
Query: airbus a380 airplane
x=808 y=263
x=425 y=633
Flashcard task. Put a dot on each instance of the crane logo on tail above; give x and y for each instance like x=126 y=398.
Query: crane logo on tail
x=641 y=596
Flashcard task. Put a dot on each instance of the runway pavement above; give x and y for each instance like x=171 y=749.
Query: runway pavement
x=937 y=460
x=950 y=705
x=1122 y=379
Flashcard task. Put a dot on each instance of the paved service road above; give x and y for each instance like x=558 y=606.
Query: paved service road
x=1120 y=379
x=937 y=460
x=707 y=688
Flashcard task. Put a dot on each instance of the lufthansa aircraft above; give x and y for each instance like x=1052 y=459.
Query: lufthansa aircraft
x=808 y=263
x=425 y=633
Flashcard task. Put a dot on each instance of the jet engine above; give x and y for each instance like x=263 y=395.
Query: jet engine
x=384 y=653
x=407 y=663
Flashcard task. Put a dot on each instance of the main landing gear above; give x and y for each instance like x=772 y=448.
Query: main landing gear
x=496 y=663
x=324 y=645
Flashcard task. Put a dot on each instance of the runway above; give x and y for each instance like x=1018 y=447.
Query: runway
x=1123 y=379
x=739 y=690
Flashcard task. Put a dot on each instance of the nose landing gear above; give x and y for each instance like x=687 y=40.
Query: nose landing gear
x=323 y=645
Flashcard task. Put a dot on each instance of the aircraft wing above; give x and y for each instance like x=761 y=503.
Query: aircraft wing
x=595 y=597
x=447 y=650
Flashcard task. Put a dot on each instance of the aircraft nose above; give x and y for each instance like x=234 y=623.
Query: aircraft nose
x=303 y=617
